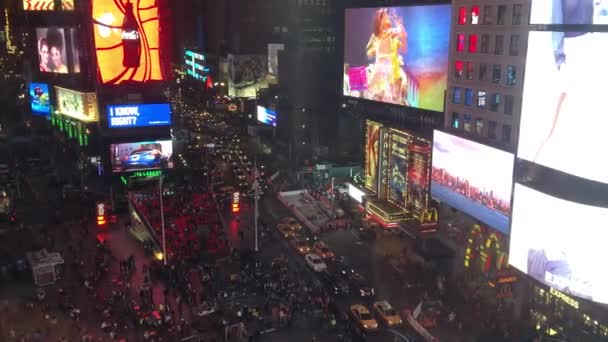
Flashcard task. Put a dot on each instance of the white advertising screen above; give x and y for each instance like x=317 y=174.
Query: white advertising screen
x=561 y=12
x=563 y=115
x=473 y=178
x=560 y=243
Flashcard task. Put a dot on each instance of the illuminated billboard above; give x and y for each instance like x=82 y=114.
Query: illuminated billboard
x=246 y=75
x=140 y=156
x=267 y=116
x=47 y=5
x=273 y=58
x=372 y=154
x=40 y=100
x=560 y=243
x=563 y=115
x=140 y=115
x=127 y=41
x=473 y=178
x=397 y=55
x=80 y=106
x=57 y=50
x=195 y=65
x=560 y=12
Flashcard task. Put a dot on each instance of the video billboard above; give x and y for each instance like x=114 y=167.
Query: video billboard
x=473 y=178
x=58 y=50
x=140 y=115
x=560 y=12
x=398 y=55
x=419 y=175
x=127 y=41
x=398 y=162
x=246 y=75
x=47 y=5
x=196 y=65
x=267 y=116
x=140 y=156
x=273 y=58
x=563 y=115
x=40 y=100
x=560 y=243
x=78 y=105
x=372 y=154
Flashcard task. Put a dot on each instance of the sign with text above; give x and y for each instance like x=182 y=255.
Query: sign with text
x=141 y=115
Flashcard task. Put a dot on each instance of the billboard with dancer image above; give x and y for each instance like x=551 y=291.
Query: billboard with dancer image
x=372 y=154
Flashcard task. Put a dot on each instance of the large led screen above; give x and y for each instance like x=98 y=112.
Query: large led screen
x=246 y=75
x=196 y=65
x=127 y=41
x=398 y=161
x=267 y=116
x=141 y=115
x=372 y=154
x=39 y=98
x=147 y=155
x=473 y=178
x=563 y=116
x=561 y=12
x=47 y=5
x=78 y=105
x=397 y=55
x=57 y=50
x=560 y=243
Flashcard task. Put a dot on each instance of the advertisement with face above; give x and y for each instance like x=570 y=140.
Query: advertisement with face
x=57 y=50
x=418 y=176
x=141 y=115
x=80 y=106
x=372 y=154
x=560 y=243
x=473 y=178
x=398 y=167
x=398 y=55
x=39 y=98
x=47 y=5
x=127 y=41
x=563 y=115
x=139 y=156
x=568 y=12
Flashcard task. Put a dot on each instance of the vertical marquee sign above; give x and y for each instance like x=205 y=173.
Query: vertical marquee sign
x=384 y=171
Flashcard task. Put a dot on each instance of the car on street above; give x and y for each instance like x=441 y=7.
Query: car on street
x=342 y=268
x=315 y=262
x=320 y=248
x=360 y=286
x=286 y=232
x=387 y=314
x=336 y=284
x=364 y=319
x=300 y=245
x=291 y=222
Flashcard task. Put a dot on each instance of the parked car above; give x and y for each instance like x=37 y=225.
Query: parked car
x=315 y=262
x=363 y=318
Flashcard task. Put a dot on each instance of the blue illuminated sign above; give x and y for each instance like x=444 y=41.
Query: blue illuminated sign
x=39 y=98
x=142 y=115
x=267 y=116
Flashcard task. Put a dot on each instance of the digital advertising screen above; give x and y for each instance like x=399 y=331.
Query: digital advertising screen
x=47 y=5
x=398 y=161
x=246 y=75
x=398 y=55
x=57 y=50
x=196 y=65
x=77 y=105
x=273 y=58
x=567 y=12
x=267 y=116
x=372 y=154
x=40 y=100
x=127 y=41
x=418 y=174
x=473 y=178
x=563 y=115
x=140 y=156
x=560 y=243
x=140 y=115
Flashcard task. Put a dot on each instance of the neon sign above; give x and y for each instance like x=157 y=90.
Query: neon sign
x=565 y=298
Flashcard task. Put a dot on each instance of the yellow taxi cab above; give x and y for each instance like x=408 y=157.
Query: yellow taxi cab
x=291 y=222
x=363 y=317
x=300 y=244
x=387 y=314
x=286 y=231
x=320 y=248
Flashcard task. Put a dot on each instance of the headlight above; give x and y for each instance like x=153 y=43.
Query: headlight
x=365 y=326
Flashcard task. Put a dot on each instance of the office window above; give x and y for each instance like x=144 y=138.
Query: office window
x=514 y=45
x=483 y=72
x=506 y=134
x=511 y=75
x=496 y=73
x=509 y=104
x=495 y=102
x=498 y=42
x=470 y=70
x=474 y=15
x=479 y=126
x=456 y=95
x=472 y=43
x=485 y=43
x=468 y=97
x=517 y=14
x=502 y=13
x=458 y=69
x=492 y=129
x=455 y=120
x=481 y=99
x=488 y=15
x=467 y=122
x=460 y=42
x=462 y=15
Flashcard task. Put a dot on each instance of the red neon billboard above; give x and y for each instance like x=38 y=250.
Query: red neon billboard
x=128 y=41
